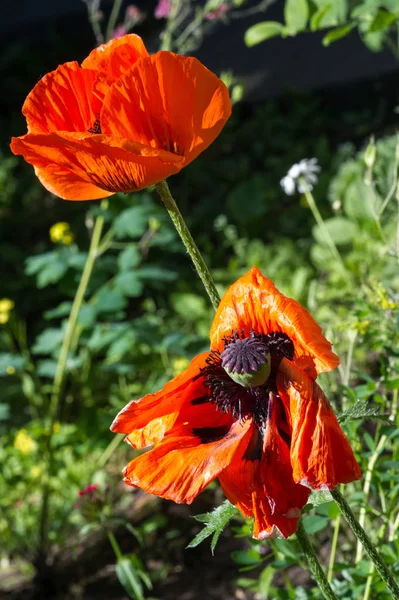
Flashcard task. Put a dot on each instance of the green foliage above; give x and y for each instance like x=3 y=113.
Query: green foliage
x=129 y=570
x=374 y=19
x=215 y=522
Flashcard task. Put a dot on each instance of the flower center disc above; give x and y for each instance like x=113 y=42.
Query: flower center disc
x=247 y=361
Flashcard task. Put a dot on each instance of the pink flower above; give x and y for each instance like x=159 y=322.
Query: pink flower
x=219 y=12
x=118 y=32
x=133 y=12
x=163 y=9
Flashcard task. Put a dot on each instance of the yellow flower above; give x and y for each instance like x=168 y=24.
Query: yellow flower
x=179 y=364
x=6 y=306
x=23 y=442
x=61 y=233
x=362 y=326
x=10 y=370
x=387 y=304
x=35 y=471
x=56 y=427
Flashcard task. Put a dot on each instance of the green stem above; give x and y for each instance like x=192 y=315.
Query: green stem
x=313 y=562
x=73 y=316
x=370 y=469
x=367 y=544
x=167 y=40
x=113 y=19
x=187 y=239
x=60 y=372
x=334 y=545
x=115 y=545
x=114 y=443
x=320 y=222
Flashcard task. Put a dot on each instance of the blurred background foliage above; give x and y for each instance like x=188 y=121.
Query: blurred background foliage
x=146 y=315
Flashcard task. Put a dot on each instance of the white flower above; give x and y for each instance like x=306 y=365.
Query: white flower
x=307 y=169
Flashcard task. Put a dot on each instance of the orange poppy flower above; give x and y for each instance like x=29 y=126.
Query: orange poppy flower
x=121 y=121
x=248 y=412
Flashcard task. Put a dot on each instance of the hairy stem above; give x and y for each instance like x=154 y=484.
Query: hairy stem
x=187 y=239
x=367 y=544
x=313 y=563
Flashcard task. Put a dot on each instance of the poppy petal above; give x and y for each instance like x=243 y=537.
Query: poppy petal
x=321 y=455
x=62 y=101
x=185 y=461
x=254 y=303
x=145 y=414
x=116 y=56
x=259 y=481
x=107 y=163
x=196 y=410
x=168 y=101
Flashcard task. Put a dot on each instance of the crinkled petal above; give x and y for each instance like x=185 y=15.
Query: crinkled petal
x=259 y=480
x=170 y=102
x=321 y=455
x=254 y=303
x=116 y=56
x=63 y=101
x=155 y=414
x=99 y=165
x=185 y=461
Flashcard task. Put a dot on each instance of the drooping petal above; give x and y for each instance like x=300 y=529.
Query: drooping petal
x=259 y=481
x=254 y=303
x=185 y=461
x=96 y=163
x=321 y=455
x=154 y=414
x=170 y=102
x=62 y=101
x=116 y=56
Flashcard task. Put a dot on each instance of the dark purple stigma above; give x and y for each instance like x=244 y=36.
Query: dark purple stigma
x=246 y=355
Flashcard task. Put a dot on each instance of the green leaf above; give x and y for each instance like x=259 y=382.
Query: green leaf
x=48 y=268
x=129 y=578
x=129 y=258
x=296 y=13
x=360 y=410
x=87 y=316
x=62 y=310
x=314 y=523
x=10 y=362
x=129 y=283
x=341 y=230
x=382 y=20
x=318 y=497
x=132 y=222
x=262 y=31
x=316 y=21
x=215 y=522
x=4 y=411
x=48 y=341
x=265 y=581
x=47 y=368
x=155 y=273
x=110 y=300
x=337 y=34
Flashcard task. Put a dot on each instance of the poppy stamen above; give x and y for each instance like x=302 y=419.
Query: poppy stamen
x=240 y=378
x=96 y=126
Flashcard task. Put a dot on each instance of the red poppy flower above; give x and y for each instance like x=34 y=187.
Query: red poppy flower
x=248 y=412
x=122 y=121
